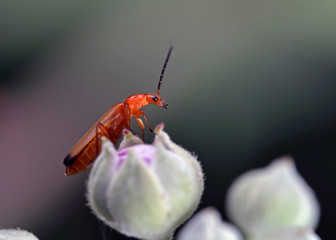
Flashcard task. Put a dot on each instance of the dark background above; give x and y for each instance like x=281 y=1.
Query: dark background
x=248 y=81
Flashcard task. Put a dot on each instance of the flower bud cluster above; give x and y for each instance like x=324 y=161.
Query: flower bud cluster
x=146 y=191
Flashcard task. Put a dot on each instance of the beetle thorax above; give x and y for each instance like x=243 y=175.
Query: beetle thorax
x=135 y=102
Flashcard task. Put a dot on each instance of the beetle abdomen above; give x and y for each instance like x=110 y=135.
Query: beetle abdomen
x=83 y=154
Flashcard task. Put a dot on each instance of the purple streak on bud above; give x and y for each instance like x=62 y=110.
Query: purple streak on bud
x=120 y=162
x=122 y=153
x=148 y=160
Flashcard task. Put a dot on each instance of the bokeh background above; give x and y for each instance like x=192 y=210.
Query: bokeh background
x=248 y=81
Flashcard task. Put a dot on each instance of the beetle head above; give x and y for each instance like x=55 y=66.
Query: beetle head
x=156 y=99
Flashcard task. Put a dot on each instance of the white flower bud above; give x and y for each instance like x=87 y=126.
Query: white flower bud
x=290 y=233
x=16 y=234
x=208 y=225
x=276 y=196
x=129 y=140
x=145 y=191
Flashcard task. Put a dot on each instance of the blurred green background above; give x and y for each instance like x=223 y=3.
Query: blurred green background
x=248 y=81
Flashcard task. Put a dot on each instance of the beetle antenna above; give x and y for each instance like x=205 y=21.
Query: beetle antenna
x=164 y=66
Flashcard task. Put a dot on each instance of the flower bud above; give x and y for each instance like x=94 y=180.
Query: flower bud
x=276 y=196
x=16 y=234
x=208 y=225
x=145 y=191
x=290 y=233
x=129 y=140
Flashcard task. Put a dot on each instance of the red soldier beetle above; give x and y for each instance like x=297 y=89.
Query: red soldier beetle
x=110 y=125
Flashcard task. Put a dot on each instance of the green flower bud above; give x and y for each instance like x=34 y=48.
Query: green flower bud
x=145 y=191
x=276 y=196
x=16 y=234
x=208 y=225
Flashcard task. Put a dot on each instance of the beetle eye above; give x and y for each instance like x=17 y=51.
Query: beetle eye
x=155 y=99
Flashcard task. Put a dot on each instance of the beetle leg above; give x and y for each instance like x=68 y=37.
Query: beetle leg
x=142 y=126
x=104 y=132
x=149 y=128
x=132 y=131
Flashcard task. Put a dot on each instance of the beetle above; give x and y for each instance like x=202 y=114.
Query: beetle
x=111 y=124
